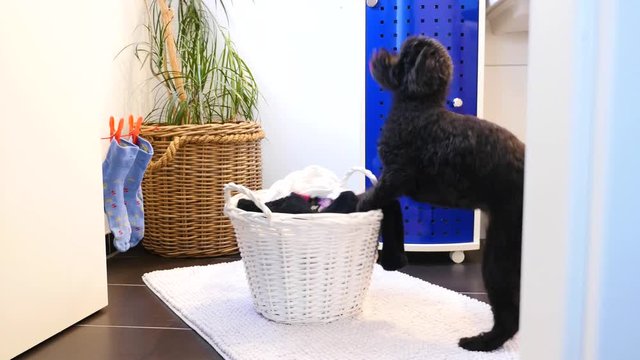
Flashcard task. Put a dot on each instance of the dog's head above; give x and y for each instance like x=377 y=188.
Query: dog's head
x=423 y=69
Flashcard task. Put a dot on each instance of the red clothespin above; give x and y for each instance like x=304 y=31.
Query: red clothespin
x=134 y=129
x=113 y=132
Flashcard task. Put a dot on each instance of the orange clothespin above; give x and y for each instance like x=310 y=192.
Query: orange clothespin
x=134 y=129
x=115 y=133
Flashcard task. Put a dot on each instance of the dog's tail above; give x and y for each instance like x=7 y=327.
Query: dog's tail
x=383 y=69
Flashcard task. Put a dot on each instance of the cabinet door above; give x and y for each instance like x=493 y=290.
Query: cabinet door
x=52 y=103
x=455 y=24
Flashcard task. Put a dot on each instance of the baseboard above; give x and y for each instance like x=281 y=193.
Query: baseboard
x=109 y=248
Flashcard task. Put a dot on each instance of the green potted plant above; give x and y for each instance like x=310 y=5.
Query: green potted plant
x=203 y=128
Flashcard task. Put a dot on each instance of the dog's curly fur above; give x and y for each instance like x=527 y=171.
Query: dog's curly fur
x=437 y=156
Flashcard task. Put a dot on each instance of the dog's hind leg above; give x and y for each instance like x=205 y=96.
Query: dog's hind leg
x=501 y=274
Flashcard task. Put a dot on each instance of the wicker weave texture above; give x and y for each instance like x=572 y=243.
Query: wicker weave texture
x=310 y=268
x=183 y=186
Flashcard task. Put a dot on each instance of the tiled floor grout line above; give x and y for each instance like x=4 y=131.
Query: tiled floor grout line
x=133 y=327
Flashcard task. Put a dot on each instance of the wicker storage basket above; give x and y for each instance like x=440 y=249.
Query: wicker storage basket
x=182 y=188
x=309 y=268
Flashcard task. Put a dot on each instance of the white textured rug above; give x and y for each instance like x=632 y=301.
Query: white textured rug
x=403 y=318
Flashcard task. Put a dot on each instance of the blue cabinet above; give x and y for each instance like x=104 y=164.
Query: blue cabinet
x=457 y=25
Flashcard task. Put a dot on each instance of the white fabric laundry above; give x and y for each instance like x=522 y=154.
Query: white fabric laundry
x=403 y=318
x=314 y=181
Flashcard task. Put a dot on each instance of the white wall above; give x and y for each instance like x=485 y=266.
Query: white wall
x=130 y=88
x=59 y=85
x=505 y=86
x=308 y=58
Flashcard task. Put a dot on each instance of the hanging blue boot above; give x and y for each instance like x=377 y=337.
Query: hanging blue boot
x=115 y=168
x=133 y=190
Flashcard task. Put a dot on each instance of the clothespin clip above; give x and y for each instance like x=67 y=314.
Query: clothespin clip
x=113 y=132
x=134 y=129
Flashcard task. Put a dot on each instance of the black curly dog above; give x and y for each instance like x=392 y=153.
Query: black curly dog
x=443 y=158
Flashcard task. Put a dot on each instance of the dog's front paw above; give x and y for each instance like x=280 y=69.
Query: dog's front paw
x=393 y=262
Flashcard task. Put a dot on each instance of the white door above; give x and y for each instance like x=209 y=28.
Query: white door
x=53 y=96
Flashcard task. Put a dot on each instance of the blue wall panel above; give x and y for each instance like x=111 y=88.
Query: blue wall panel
x=455 y=24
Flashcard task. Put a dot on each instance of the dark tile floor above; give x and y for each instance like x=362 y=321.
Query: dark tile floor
x=137 y=325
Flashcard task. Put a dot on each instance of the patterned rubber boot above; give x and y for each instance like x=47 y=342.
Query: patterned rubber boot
x=133 y=191
x=115 y=168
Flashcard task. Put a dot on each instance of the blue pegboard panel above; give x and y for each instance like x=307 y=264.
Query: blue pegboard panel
x=455 y=24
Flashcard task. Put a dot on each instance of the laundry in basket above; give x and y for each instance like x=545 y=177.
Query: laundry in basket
x=305 y=268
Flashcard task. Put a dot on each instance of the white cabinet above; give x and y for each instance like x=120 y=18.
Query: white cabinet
x=55 y=99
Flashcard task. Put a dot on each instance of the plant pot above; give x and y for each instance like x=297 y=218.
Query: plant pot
x=183 y=185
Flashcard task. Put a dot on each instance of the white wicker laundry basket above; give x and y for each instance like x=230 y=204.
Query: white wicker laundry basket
x=305 y=268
